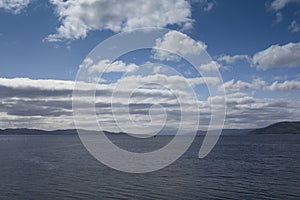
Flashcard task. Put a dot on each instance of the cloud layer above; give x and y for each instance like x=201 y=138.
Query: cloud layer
x=278 y=5
x=278 y=56
x=47 y=104
x=259 y=84
x=78 y=17
x=178 y=43
x=14 y=6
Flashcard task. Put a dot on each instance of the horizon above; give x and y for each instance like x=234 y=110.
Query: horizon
x=253 y=128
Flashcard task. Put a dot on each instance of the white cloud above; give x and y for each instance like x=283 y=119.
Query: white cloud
x=45 y=84
x=206 y=4
x=34 y=101
x=282 y=77
x=294 y=27
x=285 y=86
x=105 y=66
x=210 y=67
x=174 y=82
x=232 y=86
x=47 y=104
x=277 y=5
x=243 y=110
x=78 y=17
x=232 y=59
x=177 y=43
x=260 y=84
x=278 y=56
x=14 y=6
x=279 y=17
x=280 y=4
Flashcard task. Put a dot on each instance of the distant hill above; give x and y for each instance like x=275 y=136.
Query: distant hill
x=25 y=131
x=229 y=132
x=279 y=128
x=235 y=131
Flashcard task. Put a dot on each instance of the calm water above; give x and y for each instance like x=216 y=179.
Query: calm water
x=59 y=167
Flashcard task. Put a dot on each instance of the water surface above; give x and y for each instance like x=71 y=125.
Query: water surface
x=59 y=167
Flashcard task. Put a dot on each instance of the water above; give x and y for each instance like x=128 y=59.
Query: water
x=239 y=167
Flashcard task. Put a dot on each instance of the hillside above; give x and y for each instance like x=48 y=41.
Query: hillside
x=279 y=128
x=25 y=131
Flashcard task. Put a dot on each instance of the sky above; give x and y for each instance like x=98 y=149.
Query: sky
x=253 y=45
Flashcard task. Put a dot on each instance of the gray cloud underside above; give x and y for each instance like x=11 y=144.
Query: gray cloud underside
x=38 y=107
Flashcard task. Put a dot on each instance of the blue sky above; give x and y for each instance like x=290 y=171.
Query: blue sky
x=48 y=40
x=231 y=27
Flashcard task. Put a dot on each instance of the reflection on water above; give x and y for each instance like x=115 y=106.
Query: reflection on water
x=248 y=167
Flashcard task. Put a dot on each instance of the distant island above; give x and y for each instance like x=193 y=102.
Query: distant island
x=25 y=131
x=279 y=128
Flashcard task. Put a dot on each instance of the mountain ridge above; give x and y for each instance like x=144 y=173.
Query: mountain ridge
x=26 y=131
x=285 y=127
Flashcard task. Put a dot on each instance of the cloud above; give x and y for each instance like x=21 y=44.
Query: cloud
x=280 y=4
x=45 y=108
x=260 y=84
x=279 y=17
x=176 y=43
x=232 y=86
x=106 y=66
x=174 y=82
x=210 y=67
x=78 y=17
x=14 y=6
x=282 y=77
x=246 y=111
x=233 y=59
x=294 y=27
x=277 y=5
x=24 y=98
x=285 y=86
x=278 y=56
x=207 y=5
x=47 y=104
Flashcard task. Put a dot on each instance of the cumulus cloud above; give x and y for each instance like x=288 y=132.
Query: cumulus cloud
x=171 y=82
x=176 y=43
x=106 y=66
x=232 y=86
x=278 y=56
x=285 y=86
x=14 y=6
x=294 y=27
x=260 y=84
x=78 y=17
x=280 y=4
x=279 y=17
x=278 y=78
x=22 y=98
x=277 y=5
x=232 y=59
x=210 y=67
x=41 y=83
x=207 y=5
x=47 y=104
x=243 y=110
